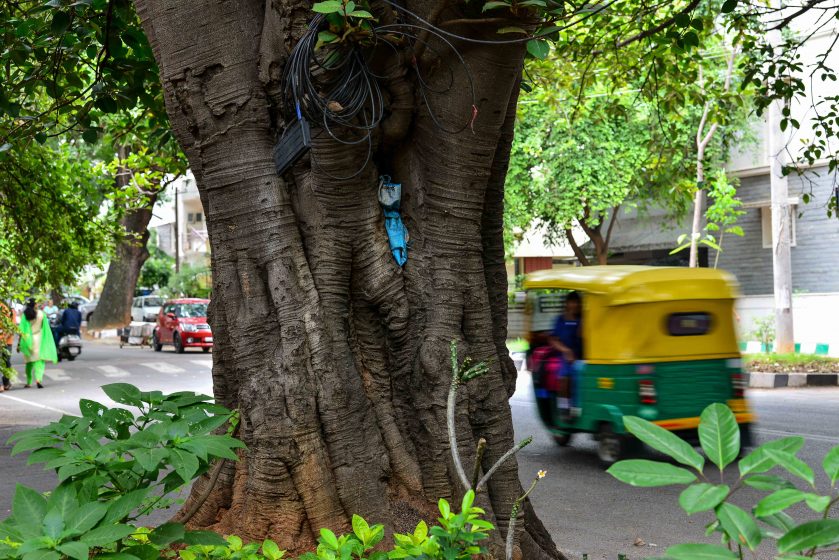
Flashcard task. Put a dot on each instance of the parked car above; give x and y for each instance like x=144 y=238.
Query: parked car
x=183 y=324
x=75 y=298
x=87 y=309
x=146 y=308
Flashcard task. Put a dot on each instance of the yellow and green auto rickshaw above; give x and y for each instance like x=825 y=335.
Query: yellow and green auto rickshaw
x=657 y=342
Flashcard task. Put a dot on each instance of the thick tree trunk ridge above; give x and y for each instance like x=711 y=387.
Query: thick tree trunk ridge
x=338 y=359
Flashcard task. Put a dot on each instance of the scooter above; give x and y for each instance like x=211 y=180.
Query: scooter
x=69 y=347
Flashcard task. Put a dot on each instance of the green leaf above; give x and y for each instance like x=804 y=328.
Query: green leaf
x=779 y=520
x=326 y=37
x=77 y=550
x=728 y=6
x=512 y=29
x=758 y=461
x=124 y=505
x=28 y=504
x=90 y=136
x=719 y=434
x=682 y=19
x=41 y=555
x=778 y=501
x=85 y=518
x=817 y=503
x=739 y=525
x=702 y=497
x=185 y=464
x=107 y=534
x=53 y=524
x=329 y=539
x=34 y=441
x=60 y=22
x=539 y=48
x=645 y=473
x=699 y=552
x=63 y=499
x=664 y=441
x=823 y=532
x=361 y=14
x=328 y=7
x=792 y=464
x=831 y=465
x=494 y=5
x=204 y=538
x=167 y=534
x=769 y=483
x=123 y=393
x=271 y=551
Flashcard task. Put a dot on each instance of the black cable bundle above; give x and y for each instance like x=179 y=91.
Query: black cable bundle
x=335 y=87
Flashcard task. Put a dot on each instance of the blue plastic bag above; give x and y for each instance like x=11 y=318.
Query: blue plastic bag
x=390 y=197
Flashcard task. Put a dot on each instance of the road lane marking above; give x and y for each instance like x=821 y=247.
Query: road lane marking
x=782 y=433
x=206 y=363
x=57 y=374
x=113 y=371
x=37 y=405
x=163 y=367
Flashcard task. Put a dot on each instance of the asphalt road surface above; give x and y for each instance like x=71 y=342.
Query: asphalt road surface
x=585 y=510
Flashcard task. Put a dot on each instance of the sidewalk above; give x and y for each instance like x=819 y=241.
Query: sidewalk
x=777 y=380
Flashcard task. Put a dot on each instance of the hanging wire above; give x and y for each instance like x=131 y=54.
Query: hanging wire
x=335 y=87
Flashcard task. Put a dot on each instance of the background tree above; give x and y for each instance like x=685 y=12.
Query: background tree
x=578 y=163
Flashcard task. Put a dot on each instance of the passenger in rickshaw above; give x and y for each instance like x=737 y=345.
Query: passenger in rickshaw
x=566 y=337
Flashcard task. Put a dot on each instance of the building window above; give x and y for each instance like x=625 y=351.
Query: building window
x=199 y=217
x=190 y=217
x=766 y=225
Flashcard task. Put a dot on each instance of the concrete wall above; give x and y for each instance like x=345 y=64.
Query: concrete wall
x=815 y=256
x=815 y=317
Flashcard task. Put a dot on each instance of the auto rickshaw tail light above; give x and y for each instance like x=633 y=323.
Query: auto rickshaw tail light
x=738 y=384
x=646 y=391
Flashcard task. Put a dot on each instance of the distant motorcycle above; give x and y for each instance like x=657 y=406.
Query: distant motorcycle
x=69 y=347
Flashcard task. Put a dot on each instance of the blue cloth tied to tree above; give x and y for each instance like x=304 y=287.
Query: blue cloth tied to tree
x=390 y=197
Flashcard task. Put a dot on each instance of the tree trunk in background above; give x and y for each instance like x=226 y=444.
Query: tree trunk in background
x=114 y=307
x=337 y=358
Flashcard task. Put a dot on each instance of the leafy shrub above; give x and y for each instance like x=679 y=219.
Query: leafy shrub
x=719 y=437
x=764 y=331
x=115 y=465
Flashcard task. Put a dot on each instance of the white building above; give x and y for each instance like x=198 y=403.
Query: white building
x=180 y=222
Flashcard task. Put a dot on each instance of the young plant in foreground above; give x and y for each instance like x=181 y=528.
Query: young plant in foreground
x=115 y=466
x=719 y=437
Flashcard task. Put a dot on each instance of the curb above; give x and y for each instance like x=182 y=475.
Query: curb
x=778 y=380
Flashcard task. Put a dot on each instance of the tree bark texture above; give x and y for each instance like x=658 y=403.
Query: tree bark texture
x=337 y=358
x=114 y=307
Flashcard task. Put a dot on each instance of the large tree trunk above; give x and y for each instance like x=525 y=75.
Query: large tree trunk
x=114 y=307
x=337 y=358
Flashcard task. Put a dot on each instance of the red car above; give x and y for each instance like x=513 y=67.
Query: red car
x=183 y=323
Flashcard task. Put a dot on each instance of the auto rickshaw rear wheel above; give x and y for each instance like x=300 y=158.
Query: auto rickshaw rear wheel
x=611 y=447
x=563 y=439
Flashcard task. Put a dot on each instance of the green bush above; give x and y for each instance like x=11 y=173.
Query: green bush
x=767 y=520
x=116 y=465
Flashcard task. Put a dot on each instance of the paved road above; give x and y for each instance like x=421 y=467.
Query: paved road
x=583 y=507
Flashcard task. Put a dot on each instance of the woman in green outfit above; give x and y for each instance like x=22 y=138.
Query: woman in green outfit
x=36 y=343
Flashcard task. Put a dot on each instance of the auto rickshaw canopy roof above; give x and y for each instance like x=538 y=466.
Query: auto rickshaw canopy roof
x=628 y=284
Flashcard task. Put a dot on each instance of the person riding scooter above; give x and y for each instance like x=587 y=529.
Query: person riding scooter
x=68 y=333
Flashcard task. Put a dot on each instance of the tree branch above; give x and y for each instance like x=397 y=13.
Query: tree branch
x=576 y=248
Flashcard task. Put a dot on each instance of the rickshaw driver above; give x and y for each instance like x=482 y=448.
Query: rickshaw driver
x=566 y=338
